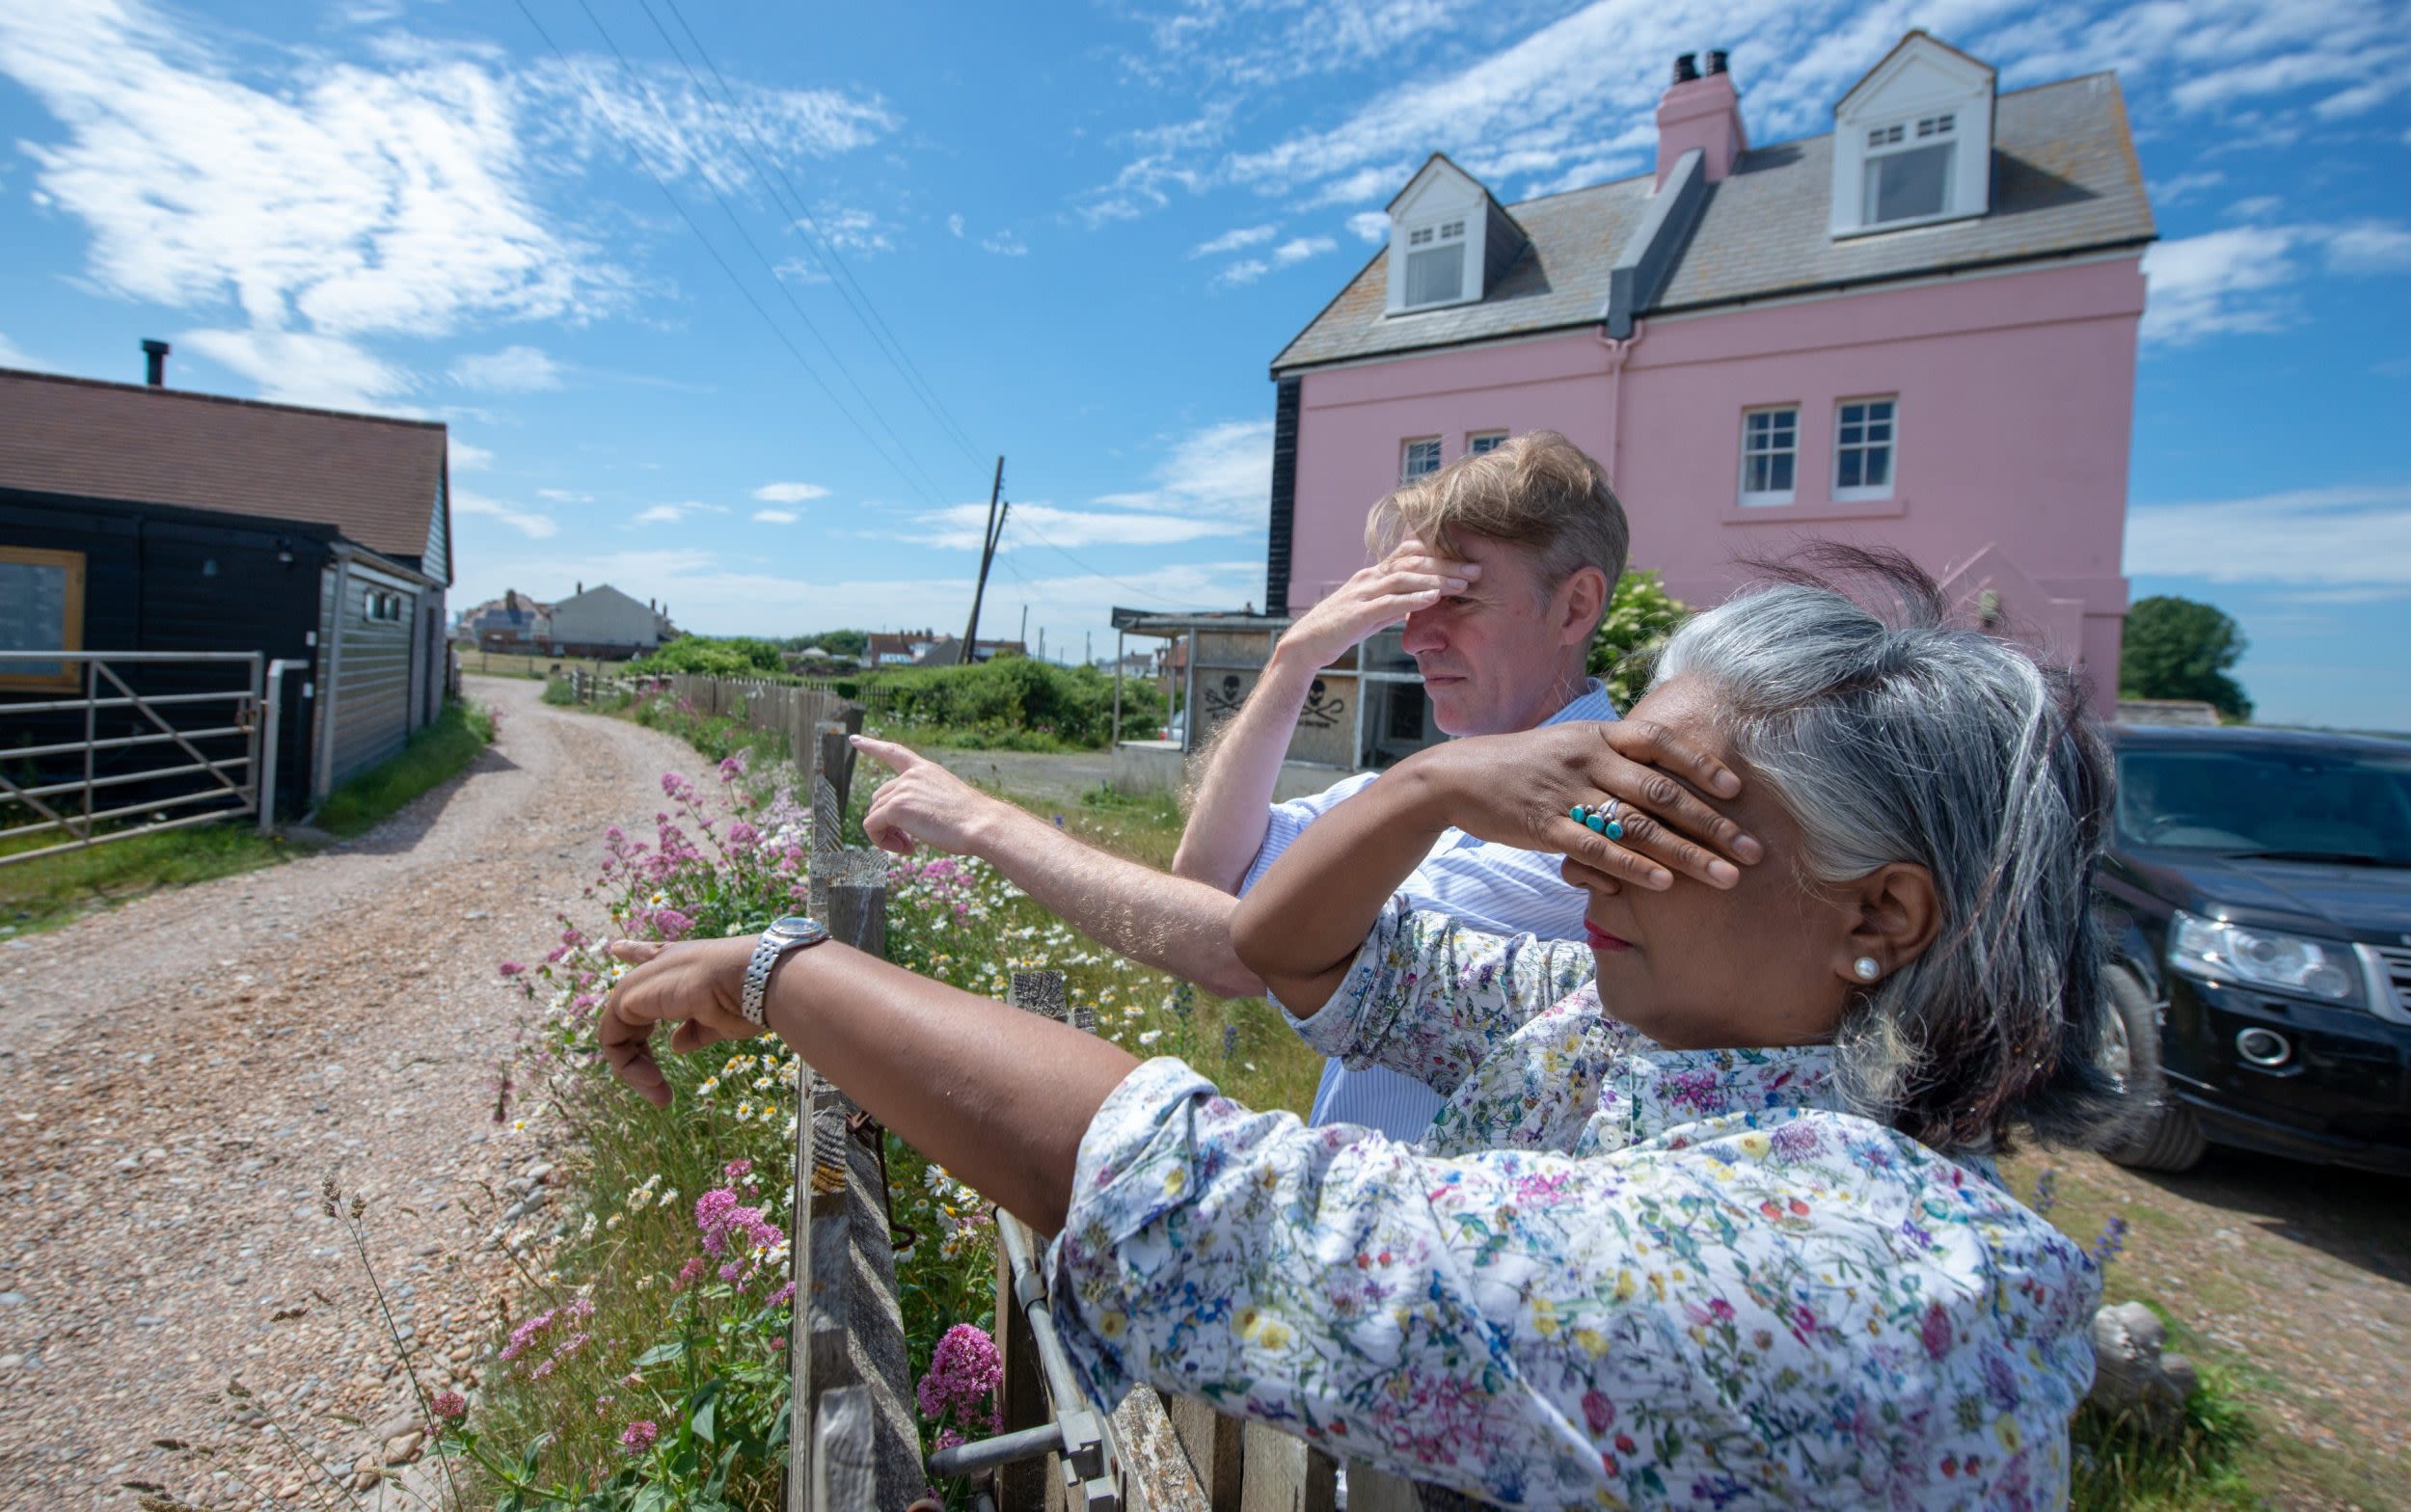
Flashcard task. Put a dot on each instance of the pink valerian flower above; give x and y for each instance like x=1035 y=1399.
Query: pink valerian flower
x=690 y=1273
x=736 y=1170
x=450 y=1406
x=964 y=1372
x=947 y=1439
x=743 y=836
x=783 y=1295
x=718 y=1218
x=671 y=925
x=640 y=1436
x=510 y=968
x=678 y=788
x=733 y=766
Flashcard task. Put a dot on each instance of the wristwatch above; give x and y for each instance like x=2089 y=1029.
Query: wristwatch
x=790 y=934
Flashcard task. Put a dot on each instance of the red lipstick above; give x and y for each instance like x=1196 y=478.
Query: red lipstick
x=1601 y=939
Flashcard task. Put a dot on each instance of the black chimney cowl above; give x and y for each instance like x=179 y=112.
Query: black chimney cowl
x=1716 y=62
x=1686 y=68
x=156 y=363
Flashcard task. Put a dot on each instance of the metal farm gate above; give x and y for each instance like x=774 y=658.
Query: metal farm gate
x=142 y=741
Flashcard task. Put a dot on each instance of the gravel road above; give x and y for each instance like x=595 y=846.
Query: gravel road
x=177 y=1077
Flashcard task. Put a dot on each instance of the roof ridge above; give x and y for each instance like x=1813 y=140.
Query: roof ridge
x=1762 y=146
x=219 y=398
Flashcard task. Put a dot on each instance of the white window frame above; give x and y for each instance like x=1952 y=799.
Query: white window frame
x=1431 y=235
x=1478 y=441
x=1406 y=457
x=1891 y=446
x=1908 y=134
x=1767 y=498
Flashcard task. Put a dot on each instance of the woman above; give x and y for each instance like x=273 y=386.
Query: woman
x=1730 y=1239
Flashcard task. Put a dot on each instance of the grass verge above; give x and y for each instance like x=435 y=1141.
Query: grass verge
x=436 y=754
x=57 y=889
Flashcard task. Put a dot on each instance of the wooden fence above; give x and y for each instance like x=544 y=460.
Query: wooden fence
x=856 y=1444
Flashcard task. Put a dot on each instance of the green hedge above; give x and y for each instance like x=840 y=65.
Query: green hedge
x=714 y=655
x=994 y=701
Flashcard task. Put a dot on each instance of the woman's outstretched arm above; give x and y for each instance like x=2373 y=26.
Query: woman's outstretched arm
x=997 y=1096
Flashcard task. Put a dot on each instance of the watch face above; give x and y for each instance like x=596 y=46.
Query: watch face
x=796 y=924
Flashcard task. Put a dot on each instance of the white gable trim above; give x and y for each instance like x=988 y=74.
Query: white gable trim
x=1442 y=208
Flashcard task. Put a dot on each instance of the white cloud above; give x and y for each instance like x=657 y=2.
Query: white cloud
x=789 y=493
x=664 y=514
x=298 y=367
x=1006 y=244
x=564 y=495
x=1540 y=108
x=334 y=200
x=960 y=527
x=1222 y=471
x=1370 y=225
x=1301 y=249
x=776 y=516
x=2369 y=247
x=2176 y=190
x=1245 y=271
x=2218 y=284
x=852 y=229
x=13 y=355
x=534 y=526
x=953 y=226
x=514 y=370
x=2242 y=279
x=466 y=458
x=2351 y=534
x=1234 y=239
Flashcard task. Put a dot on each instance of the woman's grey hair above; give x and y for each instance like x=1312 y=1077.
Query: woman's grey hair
x=1894 y=737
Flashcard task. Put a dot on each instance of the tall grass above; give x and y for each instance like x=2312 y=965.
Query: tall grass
x=437 y=752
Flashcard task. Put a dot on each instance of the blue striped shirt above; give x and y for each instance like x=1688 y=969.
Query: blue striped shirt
x=1496 y=889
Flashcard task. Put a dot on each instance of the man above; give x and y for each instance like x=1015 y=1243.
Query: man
x=1501 y=566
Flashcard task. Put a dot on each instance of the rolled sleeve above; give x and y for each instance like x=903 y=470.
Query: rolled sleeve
x=1289 y=819
x=1429 y=997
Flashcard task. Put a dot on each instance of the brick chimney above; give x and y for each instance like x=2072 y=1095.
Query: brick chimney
x=1703 y=112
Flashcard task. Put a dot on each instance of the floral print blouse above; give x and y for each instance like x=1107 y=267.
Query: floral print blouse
x=1612 y=1276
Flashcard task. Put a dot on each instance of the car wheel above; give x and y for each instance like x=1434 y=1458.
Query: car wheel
x=2160 y=1133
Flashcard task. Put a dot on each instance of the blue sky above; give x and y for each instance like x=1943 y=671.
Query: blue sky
x=1075 y=234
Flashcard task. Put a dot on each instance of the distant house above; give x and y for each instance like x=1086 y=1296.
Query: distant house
x=139 y=518
x=604 y=622
x=1918 y=330
x=513 y=622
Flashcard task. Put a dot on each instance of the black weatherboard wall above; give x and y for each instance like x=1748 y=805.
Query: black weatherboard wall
x=161 y=578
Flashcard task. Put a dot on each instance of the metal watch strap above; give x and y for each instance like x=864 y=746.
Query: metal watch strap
x=790 y=933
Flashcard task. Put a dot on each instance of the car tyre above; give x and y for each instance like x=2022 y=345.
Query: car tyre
x=2161 y=1133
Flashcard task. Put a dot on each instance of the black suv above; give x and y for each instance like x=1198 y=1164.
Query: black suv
x=2257 y=894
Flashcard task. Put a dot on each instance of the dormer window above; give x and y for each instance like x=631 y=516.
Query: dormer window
x=1448 y=240
x=1913 y=141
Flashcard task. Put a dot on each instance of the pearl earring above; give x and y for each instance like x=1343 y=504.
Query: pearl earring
x=1867 y=967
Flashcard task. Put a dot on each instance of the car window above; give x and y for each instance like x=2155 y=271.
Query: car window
x=2291 y=802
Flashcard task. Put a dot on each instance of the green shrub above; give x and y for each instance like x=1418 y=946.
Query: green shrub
x=1639 y=620
x=714 y=655
x=1000 y=704
x=560 y=691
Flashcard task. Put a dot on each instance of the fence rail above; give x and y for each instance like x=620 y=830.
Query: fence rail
x=854 y=1442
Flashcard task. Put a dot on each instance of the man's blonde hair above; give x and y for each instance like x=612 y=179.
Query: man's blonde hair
x=1537 y=490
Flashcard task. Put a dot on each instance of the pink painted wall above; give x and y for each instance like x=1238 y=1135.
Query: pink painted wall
x=2016 y=397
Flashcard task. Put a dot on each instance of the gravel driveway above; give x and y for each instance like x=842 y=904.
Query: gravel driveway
x=177 y=1076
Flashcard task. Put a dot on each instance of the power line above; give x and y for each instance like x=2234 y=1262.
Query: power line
x=715 y=252
x=1093 y=571
x=848 y=285
x=937 y=493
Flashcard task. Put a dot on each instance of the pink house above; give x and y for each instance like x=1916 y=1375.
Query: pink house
x=1918 y=330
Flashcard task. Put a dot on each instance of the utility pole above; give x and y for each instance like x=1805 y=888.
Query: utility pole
x=997 y=512
x=1025 y=628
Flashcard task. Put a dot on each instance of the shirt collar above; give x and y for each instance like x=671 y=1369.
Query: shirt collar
x=1591 y=703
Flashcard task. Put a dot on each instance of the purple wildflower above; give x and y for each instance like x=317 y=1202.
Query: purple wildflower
x=640 y=1436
